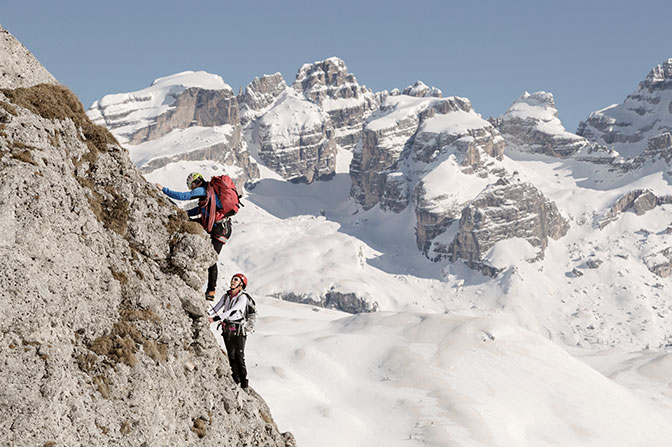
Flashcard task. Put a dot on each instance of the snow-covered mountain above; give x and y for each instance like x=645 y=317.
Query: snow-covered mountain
x=644 y=114
x=508 y=241
x=453 y=187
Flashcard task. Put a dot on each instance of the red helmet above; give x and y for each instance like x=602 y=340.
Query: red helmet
x=242 y=278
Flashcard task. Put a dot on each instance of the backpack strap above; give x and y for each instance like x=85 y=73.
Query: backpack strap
x=211 y=206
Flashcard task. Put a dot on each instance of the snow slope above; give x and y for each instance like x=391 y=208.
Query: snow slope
x=410 y=379
x=180 y=141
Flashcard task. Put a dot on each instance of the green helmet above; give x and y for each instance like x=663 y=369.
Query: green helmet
x=193 y=177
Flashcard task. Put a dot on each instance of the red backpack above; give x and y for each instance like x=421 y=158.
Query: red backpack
x=223 y=187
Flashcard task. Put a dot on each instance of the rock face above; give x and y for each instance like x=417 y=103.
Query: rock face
x=532 y=125
x=644 y=114
x=295 y=139
x=193 y=107
x=18 y=67
x=329 y=85
x=507 y=209
x=658 y=148
x=104 y=341
x=344 y=301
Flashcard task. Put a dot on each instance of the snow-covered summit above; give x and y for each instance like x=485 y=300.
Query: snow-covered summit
x=127 y=113
x=540 y=105
x=532 y=124
x=335 y=90
x=420 y=89
x=187 y=79
x=644 y=114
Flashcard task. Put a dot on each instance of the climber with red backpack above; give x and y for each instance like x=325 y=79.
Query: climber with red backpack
x=218 y=200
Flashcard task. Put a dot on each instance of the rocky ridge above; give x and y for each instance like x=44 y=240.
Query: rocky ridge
x=104 y=340
x=638 y=201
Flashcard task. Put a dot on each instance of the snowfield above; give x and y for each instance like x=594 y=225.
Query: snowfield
x=412 y=379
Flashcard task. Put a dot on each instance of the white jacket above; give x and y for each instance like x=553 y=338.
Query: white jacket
x=230 y=309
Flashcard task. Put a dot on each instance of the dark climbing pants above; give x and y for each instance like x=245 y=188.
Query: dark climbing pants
x=220 y=233
x=235 y=350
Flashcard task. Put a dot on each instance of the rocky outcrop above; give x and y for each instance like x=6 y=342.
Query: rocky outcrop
x=660 y=263
x=383 y=142
x=18 y=67
x=658 y=148
x=638 y=201
x=260 y=94
x=508 y=209
x=434 y=214
x=348 y=302
x=329 y=85
x=532 y=125
x=644 y=114
x=104 y=340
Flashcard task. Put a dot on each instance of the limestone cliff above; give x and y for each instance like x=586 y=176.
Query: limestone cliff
x=103 y=338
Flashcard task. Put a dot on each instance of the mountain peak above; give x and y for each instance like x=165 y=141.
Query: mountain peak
x=18 y=66
x=539 y=105
x=327 y=79
x=659 y=73
x=646 y=113
x=187 y=79
x=420 y=90
x=540 y=98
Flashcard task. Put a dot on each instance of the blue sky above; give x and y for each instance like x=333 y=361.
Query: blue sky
x=589 y=54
